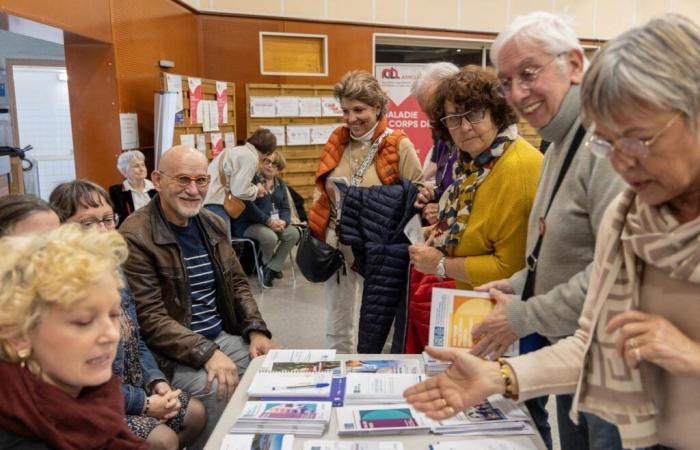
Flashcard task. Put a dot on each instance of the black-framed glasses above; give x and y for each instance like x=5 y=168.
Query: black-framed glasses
x=633 y=147
x=109 y=221
x=184 y=180
x=453 y=121
x=526 y=79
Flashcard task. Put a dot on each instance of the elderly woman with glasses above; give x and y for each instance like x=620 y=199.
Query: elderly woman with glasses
x=635 y=360
x=482 y=220
x=136 y=190
x=163 y=417
x=268 y=220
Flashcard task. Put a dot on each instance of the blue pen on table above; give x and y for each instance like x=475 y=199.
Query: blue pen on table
x=299 y=386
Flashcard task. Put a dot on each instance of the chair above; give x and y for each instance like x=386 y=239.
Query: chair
x=256 y=256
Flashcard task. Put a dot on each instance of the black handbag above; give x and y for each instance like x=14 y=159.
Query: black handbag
x=317 y=260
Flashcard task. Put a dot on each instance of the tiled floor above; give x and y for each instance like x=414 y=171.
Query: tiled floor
x=296 y=315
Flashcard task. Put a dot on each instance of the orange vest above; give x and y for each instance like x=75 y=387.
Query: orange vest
x=386 y=163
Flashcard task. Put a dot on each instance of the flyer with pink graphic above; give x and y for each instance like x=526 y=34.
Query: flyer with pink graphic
x=217 y=144
x=222 y=100
x=195 y=95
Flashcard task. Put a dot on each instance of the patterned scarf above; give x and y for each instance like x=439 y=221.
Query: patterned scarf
x=640 y=234
x=456 y=203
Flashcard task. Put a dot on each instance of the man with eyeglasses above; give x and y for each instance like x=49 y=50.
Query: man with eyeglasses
x=194 y=303
x=540 y=64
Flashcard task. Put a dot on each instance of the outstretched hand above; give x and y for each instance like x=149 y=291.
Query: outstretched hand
x=467 y=382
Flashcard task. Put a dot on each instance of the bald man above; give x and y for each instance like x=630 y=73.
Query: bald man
x=194 y=303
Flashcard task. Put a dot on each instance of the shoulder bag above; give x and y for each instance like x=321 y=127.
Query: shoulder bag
x=233 y=205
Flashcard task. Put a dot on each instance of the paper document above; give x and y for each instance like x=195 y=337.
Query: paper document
x=512 y=443
x=262 y=107
x=350 y=445
x=287 y=106
x=296 y=355
x=310 y=106
x=414 y=230
x=258 y=442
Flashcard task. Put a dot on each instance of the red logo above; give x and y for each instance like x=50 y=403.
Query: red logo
x=390 y=73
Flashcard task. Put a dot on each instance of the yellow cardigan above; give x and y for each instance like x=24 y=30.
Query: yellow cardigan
x=494 y=238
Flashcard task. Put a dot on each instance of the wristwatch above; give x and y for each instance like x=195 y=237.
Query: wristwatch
x=440 y=270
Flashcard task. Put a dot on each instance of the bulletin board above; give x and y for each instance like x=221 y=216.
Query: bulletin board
x=302 y=160
x=186 y=127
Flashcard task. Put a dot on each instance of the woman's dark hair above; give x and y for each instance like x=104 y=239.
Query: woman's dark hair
x=471 y=88
x=66 y=198
x=263 y=140
x=17 y=207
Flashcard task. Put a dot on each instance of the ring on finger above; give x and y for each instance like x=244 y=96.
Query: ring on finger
x=637 y=354
x=449 y=410
x=444 y=403
x=632 y=343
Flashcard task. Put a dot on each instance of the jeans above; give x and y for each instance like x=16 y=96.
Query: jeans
x=592 y=432
x=194 y=381
x=537 y=409
x=221 y=212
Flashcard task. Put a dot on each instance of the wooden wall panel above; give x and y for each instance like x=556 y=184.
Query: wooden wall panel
x=92 y=90
x=88 y=18
x=144 y=33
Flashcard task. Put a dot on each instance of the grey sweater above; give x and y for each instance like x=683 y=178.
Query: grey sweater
x=567 y=248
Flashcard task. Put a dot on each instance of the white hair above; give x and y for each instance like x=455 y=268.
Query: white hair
x=431 y=75
x=552 y=32
x=654 y=66
x=126 y=157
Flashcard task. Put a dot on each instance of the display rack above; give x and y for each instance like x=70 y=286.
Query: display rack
x=208 y=93
x=302 y=160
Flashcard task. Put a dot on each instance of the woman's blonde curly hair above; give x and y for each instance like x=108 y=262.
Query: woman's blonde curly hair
x=55 y=269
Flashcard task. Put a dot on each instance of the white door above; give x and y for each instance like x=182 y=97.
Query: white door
x=43 y=121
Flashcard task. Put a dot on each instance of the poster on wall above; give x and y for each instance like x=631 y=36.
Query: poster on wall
x=217 y=144
x=222 y=101
x=195 y=95
x=404 y=112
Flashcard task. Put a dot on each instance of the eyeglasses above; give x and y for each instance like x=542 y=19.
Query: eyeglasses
x=109 y=221
x=455 y=120
x=184 y=180
x=269 y=162
x=526 y=79
x=633 y=147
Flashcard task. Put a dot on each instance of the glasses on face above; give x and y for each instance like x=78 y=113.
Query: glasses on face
x=270 y=162
x=526 y=79
x=109 y=221
x=453 y=121
x=633 y=147
x=184 y=180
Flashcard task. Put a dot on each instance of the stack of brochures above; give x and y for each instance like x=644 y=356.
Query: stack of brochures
x=383 y=366
x=313 y=444
x=378 y=388
x=296 y=356
x=510 y=443
x=257 y=442
x=291 y=383
x=381 y=420
x=299 y=418
x=495 y=416
x=434 y=366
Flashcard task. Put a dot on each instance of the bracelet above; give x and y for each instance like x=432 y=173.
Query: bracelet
x=504 y=369
x=146 y=405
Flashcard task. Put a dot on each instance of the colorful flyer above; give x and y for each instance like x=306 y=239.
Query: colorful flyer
x=222 y=101
x=173 y=83
x=217 y=144
x=195 y=95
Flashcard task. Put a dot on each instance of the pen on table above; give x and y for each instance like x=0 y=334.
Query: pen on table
x=297 y=386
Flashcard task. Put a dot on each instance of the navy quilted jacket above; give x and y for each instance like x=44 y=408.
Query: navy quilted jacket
x=372 y=222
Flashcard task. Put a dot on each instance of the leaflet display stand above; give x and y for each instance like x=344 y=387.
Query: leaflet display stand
x=302 y=160
x=186 y=127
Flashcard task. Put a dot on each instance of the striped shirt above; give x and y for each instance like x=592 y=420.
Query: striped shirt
x=200 y=273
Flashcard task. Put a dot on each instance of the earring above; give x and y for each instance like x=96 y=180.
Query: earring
x=24 y=356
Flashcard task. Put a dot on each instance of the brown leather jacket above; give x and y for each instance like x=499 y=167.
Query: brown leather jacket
x=157 y=277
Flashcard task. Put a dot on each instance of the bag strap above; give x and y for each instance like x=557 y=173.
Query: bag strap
x=528 y=290
x=360 y=173
x=222 y=175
